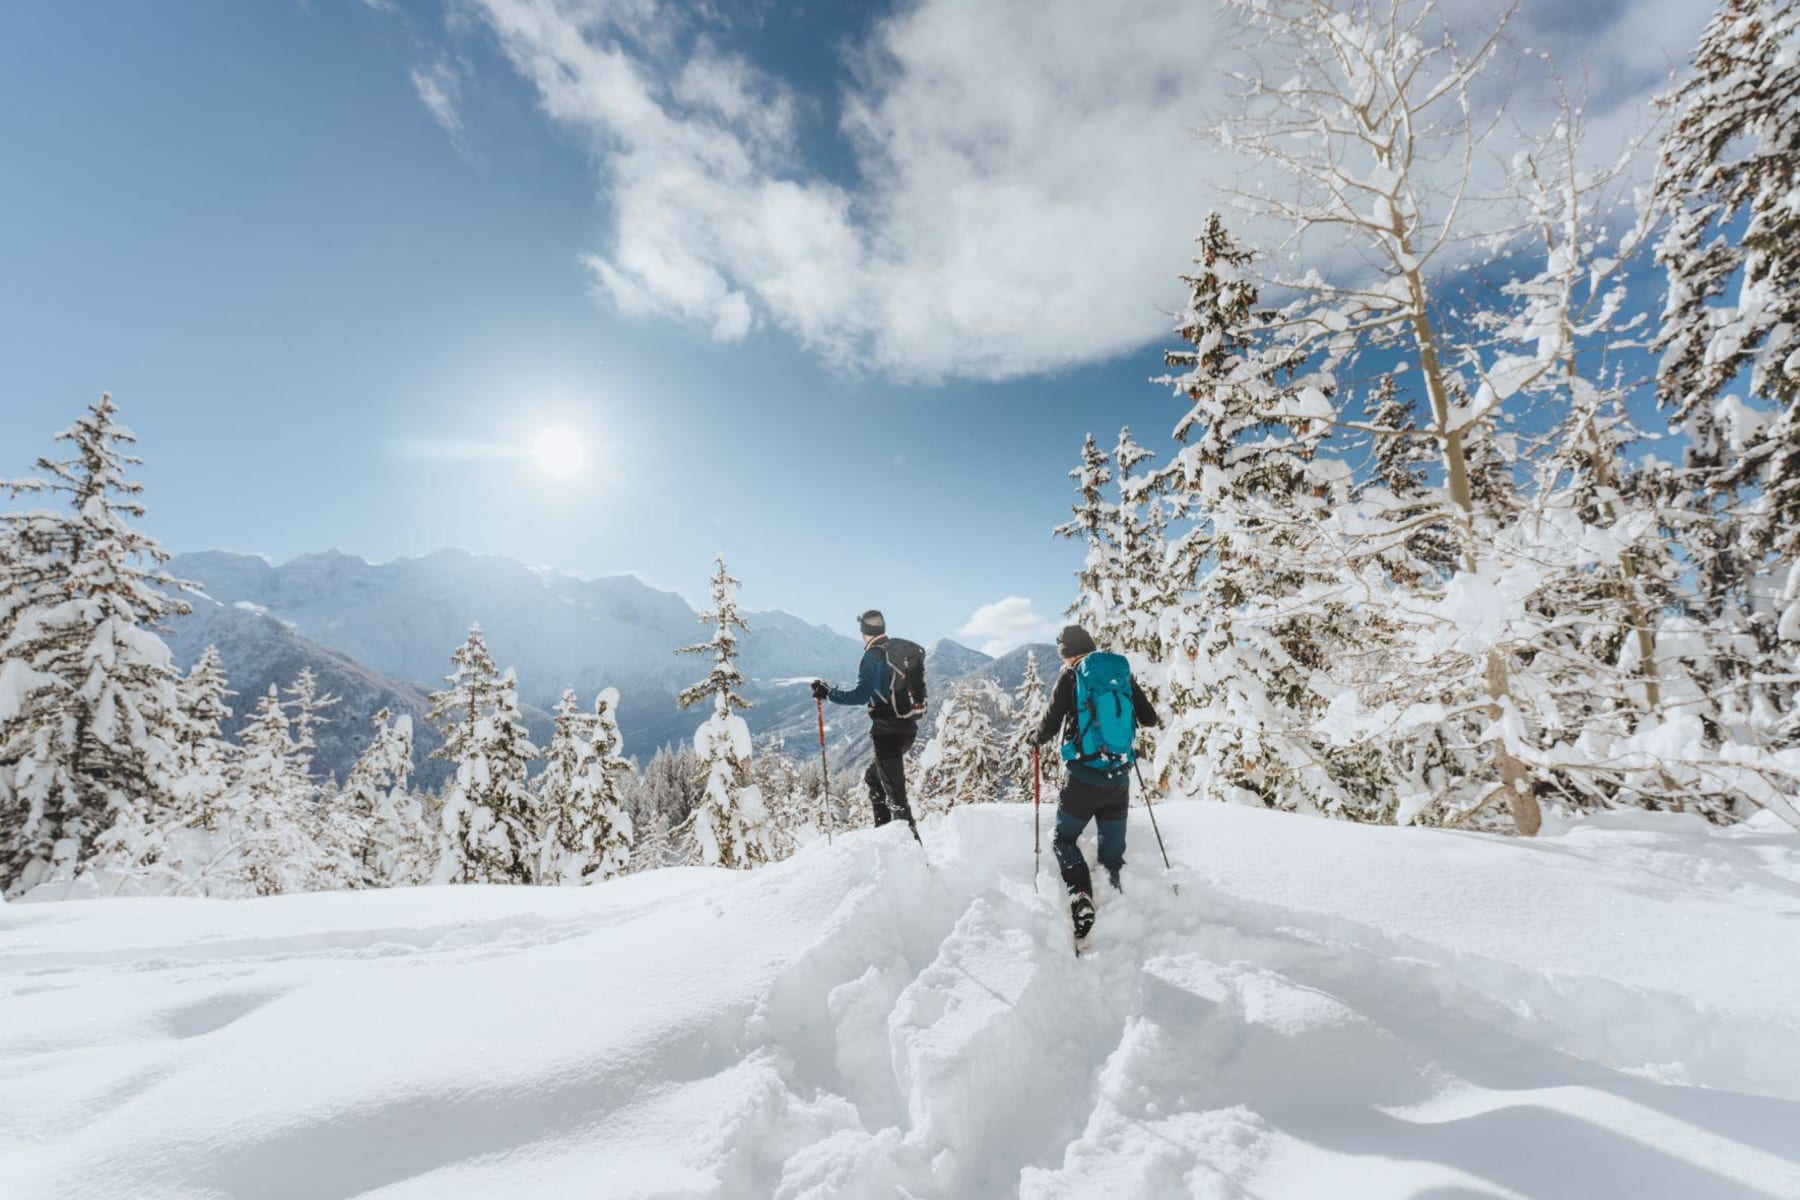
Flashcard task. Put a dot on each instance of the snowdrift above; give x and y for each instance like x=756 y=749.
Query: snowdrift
x=1324 y=1010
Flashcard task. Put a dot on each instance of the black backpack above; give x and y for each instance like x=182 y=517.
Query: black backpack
x=906 y=662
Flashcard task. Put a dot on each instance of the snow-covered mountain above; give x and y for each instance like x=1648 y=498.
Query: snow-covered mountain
x=947 y=661
x=402 y=619
x=1324 y=1010
x=1008 y=671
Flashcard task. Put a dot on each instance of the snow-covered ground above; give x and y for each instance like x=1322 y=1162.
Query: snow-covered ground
x=1324 y=1010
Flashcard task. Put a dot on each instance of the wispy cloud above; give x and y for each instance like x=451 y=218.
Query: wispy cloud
x=1029 y=172
x=1005 y=625
x=440 y=89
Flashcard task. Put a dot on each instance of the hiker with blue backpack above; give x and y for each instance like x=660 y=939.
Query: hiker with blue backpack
x=1096 y=708
x=891 y=681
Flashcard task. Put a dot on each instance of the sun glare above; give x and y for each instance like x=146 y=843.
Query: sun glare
x=558 y=453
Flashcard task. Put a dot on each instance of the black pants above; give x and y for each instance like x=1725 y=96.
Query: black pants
x=886 y=777
x=1104 y=804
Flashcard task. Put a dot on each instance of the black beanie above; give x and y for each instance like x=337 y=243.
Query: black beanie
x=1074 y=641
x=872 y=623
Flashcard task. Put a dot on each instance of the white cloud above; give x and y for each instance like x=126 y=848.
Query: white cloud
x=1005 y=625
x=441 y=91
x=1029 y=174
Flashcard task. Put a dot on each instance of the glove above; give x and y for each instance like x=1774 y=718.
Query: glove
x=821 y=690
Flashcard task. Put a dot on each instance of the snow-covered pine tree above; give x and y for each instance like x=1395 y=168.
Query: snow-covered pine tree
x=90 y=719
x=1239 y=685
x=272 y=842
x=794 y=812
x=608 y=825
x=729 y=824
x=489 y=815
x=203 y=693
x=205 y=754
x=1092 y=516
x=1727 y=176
x=190 y=831
x=1029 y=703
x=652 y=848
x=587 y=831
x=396 y=848
x=1133 y=571
x=1425 y=548
x=665 y=796
x=964 y=764
x=306 y=706
x=1123 y=583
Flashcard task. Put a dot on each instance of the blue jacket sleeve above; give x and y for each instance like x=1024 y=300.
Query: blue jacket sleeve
x=866 y=680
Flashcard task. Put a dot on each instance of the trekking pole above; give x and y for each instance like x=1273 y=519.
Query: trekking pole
x=1037 y=808
x=1151 y=809
x=824 y=769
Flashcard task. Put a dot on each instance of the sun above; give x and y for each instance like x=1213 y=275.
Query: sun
x=558 y=452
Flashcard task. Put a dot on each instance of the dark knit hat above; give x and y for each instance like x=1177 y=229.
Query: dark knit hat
x=1074 y=641
x=872 y=623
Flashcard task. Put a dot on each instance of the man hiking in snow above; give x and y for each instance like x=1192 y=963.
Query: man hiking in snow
x=891 y=681
x=1096 y=707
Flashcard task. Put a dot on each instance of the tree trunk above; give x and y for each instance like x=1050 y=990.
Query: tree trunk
x=1514 y=775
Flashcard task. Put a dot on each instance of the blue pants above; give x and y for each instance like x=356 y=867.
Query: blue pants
x=1070 y=823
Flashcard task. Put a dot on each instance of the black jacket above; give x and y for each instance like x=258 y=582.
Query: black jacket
x=875 y=688
x=1061 y=717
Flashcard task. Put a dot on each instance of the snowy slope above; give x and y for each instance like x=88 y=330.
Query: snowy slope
x=1325 y=1010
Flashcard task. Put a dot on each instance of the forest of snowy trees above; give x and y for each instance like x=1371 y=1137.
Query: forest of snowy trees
x=1482 y=498
x=1482 y=491
x=116 y=777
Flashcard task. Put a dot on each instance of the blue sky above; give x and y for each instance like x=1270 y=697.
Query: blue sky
x=834 y=290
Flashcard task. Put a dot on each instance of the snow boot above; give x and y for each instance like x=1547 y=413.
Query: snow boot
x=1112 y=877
x=1081 y=911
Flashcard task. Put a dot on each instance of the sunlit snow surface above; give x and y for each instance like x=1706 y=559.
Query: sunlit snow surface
x=1324 y=1011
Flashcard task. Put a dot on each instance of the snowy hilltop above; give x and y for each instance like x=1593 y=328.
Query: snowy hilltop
x=1324 y=1010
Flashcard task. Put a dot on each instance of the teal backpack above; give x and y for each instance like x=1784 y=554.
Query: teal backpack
x=1105 y=725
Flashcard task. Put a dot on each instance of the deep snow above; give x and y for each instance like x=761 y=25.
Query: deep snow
x=1325 y=1010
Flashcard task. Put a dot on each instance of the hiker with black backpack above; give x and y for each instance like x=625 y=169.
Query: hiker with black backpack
x=1096 y=707
x=891 y=681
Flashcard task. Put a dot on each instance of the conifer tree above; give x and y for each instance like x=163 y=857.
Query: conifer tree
x=1731 y=159
x=729 y=824
x=1028 y=708
x=1425 y=548
x=794 y=809
x=205 y=755
x=1134 y=569
x=963 y=763
x=90 y=720
x=271 y=824
x=651 y=849
x=489 y=816
x=1090 y=520
x=395 y=848
x=306 y=706
x=587 y=834
x=203 y=693
x=667 y=794
x=1243 y=657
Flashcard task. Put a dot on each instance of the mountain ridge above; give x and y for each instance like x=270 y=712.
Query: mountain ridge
x=399 y=621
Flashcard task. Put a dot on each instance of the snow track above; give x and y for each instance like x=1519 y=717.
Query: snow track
x=1324 y=1010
